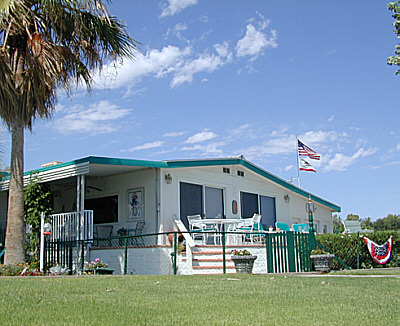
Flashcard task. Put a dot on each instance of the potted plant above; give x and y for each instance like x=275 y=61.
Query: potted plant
x=122 y=232
x=322 y=260
x=97 y=267
x=271 y=228
x=244 y=261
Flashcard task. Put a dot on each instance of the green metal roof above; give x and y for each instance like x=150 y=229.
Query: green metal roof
x=239 y=160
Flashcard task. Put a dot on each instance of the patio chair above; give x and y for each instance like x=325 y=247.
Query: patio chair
x=201 y=230
x=301 y=227
x=252 y=225
x=282 y=226
x=136 y=232
x=101 y=232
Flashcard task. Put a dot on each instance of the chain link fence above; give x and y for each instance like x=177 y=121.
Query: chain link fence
x=179 y=253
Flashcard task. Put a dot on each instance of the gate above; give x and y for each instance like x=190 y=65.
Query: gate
x=288 y=252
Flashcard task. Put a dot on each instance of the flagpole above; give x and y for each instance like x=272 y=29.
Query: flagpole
x=298 y=163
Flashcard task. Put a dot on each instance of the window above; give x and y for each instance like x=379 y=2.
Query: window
x=257 y=204
x=240 y=173
x=248 y=204
x=226 y=170
x=198 y=199
x=105 y=209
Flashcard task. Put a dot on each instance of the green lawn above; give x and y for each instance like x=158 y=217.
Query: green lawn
x=199 y=300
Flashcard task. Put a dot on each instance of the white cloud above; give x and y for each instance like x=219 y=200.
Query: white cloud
x=255 y=41
x=177 y=30
x=223 y=50
x=174 y=134
x=156 y=63
x=176 y=6
x=200 y=137
x=289 y=167
x=154 y=144
x=97 y=119
x=209 y=150
x=204 y=62
x=319 y=137
x=341 y=162
x=182 y=63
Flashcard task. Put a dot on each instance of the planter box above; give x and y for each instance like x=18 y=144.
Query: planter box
x=322 y=263
x=98 y=271
x=244 y=264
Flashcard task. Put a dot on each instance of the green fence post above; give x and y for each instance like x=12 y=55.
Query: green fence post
x=223 y=252
x=291 y=256
x=175 y=253
x=358 y=250
x=268 y=244
x=82 y=254
x=125 y=255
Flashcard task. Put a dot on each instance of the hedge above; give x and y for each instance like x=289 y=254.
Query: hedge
x=344 y=246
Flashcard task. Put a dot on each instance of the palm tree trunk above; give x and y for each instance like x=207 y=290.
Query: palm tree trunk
x=15 y=234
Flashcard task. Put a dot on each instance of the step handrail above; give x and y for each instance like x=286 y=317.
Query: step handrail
x=182 y=228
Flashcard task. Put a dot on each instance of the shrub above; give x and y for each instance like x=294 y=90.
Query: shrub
x=344 y=246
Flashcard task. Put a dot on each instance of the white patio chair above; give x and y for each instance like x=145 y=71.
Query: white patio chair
x=253 y=225
x=200 y=228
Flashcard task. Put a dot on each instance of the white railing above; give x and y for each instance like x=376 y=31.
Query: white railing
x=70 y=226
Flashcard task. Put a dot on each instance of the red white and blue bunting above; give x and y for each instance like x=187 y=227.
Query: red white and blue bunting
x=380 y=254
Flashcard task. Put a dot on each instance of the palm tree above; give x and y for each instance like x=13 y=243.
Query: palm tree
x=45 y=45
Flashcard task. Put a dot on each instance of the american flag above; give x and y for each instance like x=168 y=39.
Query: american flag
x=307 y=151
x=305 y=166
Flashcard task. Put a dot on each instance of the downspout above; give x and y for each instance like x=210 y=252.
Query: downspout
x=157 y=192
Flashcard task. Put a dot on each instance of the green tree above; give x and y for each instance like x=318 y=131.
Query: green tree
x=395 y=8
x=390 y=222
x=45 y=45
x=367 y=223
x=352 y=217
x=38 y=199
x=338 y=226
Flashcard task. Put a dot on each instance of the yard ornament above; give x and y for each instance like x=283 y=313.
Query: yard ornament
x=380 y=254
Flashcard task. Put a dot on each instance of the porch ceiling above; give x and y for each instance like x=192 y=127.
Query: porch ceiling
x=102 y=170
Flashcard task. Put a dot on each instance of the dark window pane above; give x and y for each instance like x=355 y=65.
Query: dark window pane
x=268 y=213
x=249 y=204
x=105 y=209
x=191 y=201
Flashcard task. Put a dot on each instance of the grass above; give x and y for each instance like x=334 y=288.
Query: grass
x=199 y=300
x=375 y=271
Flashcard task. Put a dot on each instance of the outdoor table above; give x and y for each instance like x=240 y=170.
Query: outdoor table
x=221 y=224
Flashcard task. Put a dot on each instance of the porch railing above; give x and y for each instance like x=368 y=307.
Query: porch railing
x=71 y=226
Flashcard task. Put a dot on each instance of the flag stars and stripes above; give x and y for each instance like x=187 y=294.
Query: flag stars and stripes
x=307 y=151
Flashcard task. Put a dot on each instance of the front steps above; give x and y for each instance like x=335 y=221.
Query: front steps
x=208 y=259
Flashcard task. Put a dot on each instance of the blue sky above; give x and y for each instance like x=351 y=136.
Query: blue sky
x=222 y=78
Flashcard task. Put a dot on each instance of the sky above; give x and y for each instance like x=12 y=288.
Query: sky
x=221 y=78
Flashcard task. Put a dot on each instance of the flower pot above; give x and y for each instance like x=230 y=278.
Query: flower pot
x=322 y=263
x=171 y=237
x=244 y=264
